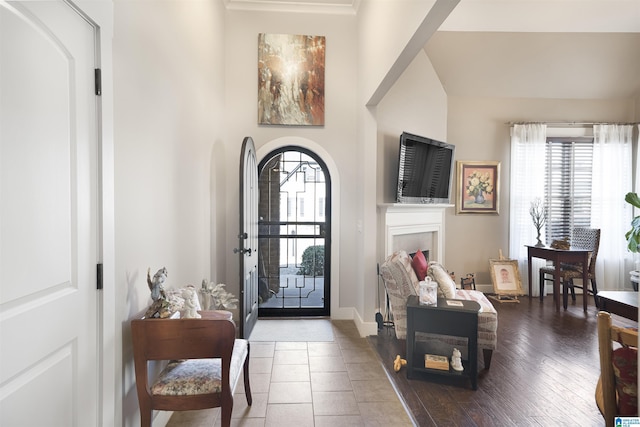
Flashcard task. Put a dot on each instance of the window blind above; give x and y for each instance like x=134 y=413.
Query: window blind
x=568 y=173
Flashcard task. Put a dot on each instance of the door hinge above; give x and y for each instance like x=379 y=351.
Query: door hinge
x=98 y=81
x=99 y=276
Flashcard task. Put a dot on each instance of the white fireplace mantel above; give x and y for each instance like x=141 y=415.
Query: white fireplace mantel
x=411 y=227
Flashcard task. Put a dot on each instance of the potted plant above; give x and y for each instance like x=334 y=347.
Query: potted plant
x=633 y=235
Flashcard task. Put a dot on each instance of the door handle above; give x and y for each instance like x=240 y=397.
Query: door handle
x=242 y=251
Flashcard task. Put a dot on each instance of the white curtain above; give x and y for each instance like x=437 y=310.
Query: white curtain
x=612 y=180
x=527 y=183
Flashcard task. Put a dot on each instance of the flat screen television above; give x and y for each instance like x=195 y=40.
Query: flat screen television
x=425 y=170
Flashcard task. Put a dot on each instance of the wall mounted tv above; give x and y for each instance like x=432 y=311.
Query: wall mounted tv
x=425 y=170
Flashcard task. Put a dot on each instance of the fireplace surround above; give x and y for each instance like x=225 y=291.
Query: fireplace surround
x=411 y=227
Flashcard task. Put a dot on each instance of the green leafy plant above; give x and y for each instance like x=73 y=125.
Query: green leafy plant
x=633 y=235
x=313 y=261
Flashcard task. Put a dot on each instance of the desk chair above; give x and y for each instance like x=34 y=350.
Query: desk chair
x=205 y=363
x=583 y=238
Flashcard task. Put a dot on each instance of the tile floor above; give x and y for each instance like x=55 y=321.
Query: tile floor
x=339 y=383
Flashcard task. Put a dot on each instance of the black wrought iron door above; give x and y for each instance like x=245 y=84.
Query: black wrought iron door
x=294 y=234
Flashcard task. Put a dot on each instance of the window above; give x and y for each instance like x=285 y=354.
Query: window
x=568 y=175
x=321 y=207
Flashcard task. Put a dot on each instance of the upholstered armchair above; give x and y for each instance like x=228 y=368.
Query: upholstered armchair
x=400 y=280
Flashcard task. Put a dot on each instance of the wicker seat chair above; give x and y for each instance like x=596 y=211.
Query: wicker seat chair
x=583 y=238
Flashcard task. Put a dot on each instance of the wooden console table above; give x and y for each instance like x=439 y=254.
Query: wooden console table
x=443 y=319
x=622 y=303
x=559 y=256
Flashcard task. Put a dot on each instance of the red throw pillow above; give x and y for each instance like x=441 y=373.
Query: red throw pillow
x=625 y=368
x=419 y=264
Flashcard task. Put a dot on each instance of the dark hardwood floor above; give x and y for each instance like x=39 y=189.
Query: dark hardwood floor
x=544 y=372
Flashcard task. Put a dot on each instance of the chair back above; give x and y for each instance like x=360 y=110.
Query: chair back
x=179 y=339
x=587 y=238
x=171 y=339
x=606 y=390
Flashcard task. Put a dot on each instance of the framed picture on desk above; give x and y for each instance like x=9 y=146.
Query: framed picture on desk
x=505 y=277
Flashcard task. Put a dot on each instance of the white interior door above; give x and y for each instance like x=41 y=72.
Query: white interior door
x=48 y=240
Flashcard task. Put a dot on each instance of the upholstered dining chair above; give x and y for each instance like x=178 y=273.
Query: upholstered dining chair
x=617 y=389
x=583 y=238
x=205 y=361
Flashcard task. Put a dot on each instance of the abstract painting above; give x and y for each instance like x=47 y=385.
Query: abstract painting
x=291 y=79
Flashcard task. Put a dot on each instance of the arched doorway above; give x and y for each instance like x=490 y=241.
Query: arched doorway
x=294 y=234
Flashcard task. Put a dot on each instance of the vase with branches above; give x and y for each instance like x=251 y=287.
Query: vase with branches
x=539 y=216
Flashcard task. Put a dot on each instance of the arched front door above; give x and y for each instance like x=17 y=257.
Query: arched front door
x=294 y=234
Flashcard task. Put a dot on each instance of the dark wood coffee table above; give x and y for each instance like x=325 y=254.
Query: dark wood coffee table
x=622 y=303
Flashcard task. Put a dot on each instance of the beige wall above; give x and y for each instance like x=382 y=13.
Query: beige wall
x=478 y=128
x=168 y=103
x=335 y=142
x=420 y=109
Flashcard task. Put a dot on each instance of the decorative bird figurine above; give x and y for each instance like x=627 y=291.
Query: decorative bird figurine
x=156 y=285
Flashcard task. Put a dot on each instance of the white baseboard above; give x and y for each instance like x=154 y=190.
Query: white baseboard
x=365 y=328
x=350 y=313
x=162 y=418
x=342 y=313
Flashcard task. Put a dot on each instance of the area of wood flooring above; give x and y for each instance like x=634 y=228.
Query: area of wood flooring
x=543 y=373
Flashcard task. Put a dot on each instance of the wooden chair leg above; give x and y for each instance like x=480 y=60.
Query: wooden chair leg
x=145 y=417
x=247 y=387
x=594 y=289
x=565 y=294
x=486 y=355
x=569 y=283
x=227 y=410
x=542 y=282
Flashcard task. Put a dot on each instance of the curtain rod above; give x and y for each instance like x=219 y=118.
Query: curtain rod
x=570 y=124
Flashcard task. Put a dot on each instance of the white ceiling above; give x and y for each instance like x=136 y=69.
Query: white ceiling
x=570 y=49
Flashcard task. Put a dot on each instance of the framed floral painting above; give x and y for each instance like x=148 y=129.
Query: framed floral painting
x=478 y=187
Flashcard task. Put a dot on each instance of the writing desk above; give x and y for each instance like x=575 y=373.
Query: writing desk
x=558 y=256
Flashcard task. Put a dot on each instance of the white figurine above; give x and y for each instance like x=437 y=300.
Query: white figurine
x=190 y=304
x=456 y=360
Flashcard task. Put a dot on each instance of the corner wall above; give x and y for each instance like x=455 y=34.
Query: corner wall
x=169 y=115
x=420 y=109
x=479 y=129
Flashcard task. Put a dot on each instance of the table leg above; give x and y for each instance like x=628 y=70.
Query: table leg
x=556 y=285
x=585 y=278
x=529 y=264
